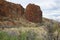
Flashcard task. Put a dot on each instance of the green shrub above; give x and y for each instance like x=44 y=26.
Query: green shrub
x=5 y=36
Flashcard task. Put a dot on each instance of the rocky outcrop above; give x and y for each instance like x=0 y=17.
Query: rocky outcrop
x=33 y=13
x=11 y=10
x=15 y=14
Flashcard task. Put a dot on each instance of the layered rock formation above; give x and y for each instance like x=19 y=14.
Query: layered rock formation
x=10 y=10
x=33 y=13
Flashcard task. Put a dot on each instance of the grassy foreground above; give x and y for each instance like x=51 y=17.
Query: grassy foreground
x=23 y=33
x=30 y=33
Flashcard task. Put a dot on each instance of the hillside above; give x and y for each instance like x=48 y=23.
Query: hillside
x=46 y=30
x=18 y=23
x=22 y=22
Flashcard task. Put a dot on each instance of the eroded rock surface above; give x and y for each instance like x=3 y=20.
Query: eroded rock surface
x=33 y=13
x=11 y=10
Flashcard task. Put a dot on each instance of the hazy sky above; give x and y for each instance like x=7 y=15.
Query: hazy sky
x=50 y=8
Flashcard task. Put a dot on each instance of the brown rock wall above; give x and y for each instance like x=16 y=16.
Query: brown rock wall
x=10 y=10
x=33 y=13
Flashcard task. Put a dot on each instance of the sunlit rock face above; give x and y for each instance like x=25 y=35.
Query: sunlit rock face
x=33 y=13
x=11 y=10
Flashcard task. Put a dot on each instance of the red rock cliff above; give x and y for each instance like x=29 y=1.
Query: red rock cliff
x=33 y=13
x=10 y=10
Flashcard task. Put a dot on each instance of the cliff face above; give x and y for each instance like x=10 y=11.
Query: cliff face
x=10 y=10
x=33 y=13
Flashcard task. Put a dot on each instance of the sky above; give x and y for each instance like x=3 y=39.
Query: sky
x=50 y=8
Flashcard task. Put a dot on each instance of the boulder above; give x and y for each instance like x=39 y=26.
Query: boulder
x=33 y=13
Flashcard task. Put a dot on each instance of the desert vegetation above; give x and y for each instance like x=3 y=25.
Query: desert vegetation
x=46 y=32
x=49 y=30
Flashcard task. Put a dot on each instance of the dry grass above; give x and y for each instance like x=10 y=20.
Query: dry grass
x=23 y=25
x=40 y=31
